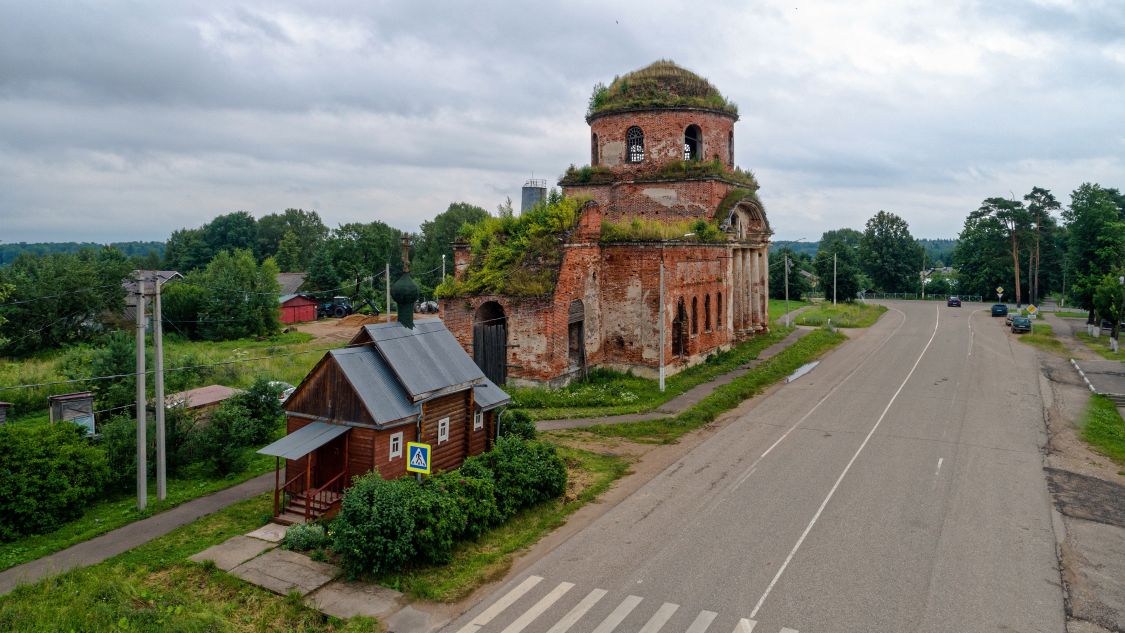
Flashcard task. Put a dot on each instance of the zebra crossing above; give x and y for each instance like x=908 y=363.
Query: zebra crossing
x=526 y=613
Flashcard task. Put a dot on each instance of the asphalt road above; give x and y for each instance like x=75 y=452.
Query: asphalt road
x=896 y=487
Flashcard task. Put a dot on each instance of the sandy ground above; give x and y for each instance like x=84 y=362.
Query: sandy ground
x=342 y=330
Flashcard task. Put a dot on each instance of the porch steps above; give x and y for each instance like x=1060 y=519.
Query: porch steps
x=295 y=511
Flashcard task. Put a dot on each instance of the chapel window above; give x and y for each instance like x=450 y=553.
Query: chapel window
x=594 y=150
x=635 y=143
x=693 y=143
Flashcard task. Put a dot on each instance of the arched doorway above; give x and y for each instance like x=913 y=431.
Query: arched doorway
x=679 y=330
x=693 y=143
x=490 y=341
x=576 y=335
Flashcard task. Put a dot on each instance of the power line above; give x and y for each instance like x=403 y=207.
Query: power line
x=55 y=296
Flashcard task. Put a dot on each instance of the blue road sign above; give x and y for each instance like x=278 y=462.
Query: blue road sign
x=418 y=457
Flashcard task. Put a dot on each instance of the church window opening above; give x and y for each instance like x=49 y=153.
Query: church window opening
x=730 y=148
x=694 y=316
x=707 y=313
x=719 y=311
x=635 y=142
x=693 y=143
x=594 y=150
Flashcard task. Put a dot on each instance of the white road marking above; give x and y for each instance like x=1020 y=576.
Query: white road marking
x=720 y=498
x=824 y=504
x=579 y=610
x=537 y=610
x=789 y=630
x=497 y=607
x=660 y=618
x=939 y=461
x=742 y=479
x=702 y=621
x=745 y=626
x=620 y=613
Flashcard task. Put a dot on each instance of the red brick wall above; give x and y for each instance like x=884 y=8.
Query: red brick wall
x=665 y=200
x=664 y=136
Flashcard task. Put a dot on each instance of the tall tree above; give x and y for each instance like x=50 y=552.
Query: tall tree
x=1088 y=218
x=1040 y=204
x=890 y=256
x=1011 y=215
x=838 y=251
x=437 y=238
x=361 y=251
x=798 y=284
x=309 y=233
x=187 y=250
x=241 y=296
x=981 y=256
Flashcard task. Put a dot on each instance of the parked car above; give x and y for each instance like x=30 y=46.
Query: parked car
x=1008 y=318
x=999 y=309
x=1021 y=324
x=953 y=302
x=285 y=388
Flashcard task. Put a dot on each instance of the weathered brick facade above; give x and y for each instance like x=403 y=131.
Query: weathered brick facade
x=714 y=293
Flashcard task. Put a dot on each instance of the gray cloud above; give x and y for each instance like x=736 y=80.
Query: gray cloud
x=128 y=121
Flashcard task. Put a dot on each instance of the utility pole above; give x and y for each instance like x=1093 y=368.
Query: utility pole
x=661 y=316
x=387 y=278
x=787 y=290
x=833 y=278
x=922 y=275
x=158 y=358
x=443 y=267
x=142 y=442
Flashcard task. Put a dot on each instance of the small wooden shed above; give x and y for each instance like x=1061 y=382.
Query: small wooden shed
x=297 y=308
x=73 y=407
x=360 y=405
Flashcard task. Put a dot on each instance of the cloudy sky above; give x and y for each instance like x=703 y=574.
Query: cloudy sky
x=123 y=121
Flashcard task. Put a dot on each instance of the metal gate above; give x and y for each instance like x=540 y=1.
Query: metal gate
x=490 y=350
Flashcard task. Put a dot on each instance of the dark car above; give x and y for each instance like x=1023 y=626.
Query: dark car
x=1021 y=324
x=999 y=309
x=953 y=302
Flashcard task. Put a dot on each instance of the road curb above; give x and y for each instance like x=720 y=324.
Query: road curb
x=1083 y=374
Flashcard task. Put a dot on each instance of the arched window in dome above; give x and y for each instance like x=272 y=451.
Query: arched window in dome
x=730 y=148
x=594 y=150
x=693 y=143
x=635 y=144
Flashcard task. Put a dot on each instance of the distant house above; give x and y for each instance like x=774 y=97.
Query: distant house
x=150 y=278
x=360 y=405
x=297 y=308
x=290 y=282
x=73 y=407
x=202 y=401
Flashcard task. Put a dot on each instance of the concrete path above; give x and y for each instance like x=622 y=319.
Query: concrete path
x=683 y=401
x=132 y=535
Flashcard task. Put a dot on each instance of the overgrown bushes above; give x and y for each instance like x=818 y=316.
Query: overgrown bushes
x=303 y=537
x=48 y=473
x=638 y=230
x=383 y=524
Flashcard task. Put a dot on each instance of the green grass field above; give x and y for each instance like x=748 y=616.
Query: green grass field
x=1071 y=314
x=1043 y=337
x=777 y=308
x=614 y=393
x=1100 y=345
x=728 y=396
x=1103 y=428
x=850 y=315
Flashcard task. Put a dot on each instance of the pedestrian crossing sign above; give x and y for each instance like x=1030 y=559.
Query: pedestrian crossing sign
x=418 y=457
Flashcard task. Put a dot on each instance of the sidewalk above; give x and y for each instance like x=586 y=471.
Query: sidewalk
x=132 y=535
x=685 y=400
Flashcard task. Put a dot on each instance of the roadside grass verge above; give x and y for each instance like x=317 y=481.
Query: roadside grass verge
x=1100 y=346
x=1043 y=337
x=154 y=588
x=489 y=558
x=727 y=396
x=777 y=307
x=109 y=514
x=848 y=315
x=1071 y=314
x=1103 y=428
x=607 y=393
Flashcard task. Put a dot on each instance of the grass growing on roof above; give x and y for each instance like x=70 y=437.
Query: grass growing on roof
x=727 y=396
x=516 y=255
x=488 y=559
x=154 y=588
x=661 y=84
x=608 y=392
x=638 y=230
x=1103 y=428
x=842 y=314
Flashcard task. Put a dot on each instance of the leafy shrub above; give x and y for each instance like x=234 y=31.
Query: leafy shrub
x=438 y=520
x=638 y=230
x=48 y=473
x=302 y=537
x=224 y=439
x=263 y=408
x=118 y=442
x=526 y=473
x=475 y=496
x=519 y=424
x=373 y=533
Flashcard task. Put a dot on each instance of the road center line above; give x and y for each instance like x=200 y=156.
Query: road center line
x=824 y=504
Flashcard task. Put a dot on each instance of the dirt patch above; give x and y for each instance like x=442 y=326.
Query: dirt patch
x=1088 y=498
x=596 y=444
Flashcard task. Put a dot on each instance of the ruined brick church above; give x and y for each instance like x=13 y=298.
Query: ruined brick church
x=661 y=159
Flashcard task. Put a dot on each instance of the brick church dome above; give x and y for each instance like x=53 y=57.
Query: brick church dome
x=660 y=85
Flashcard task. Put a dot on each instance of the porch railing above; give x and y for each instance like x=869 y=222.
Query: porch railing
x=325 y=496
x=281 y=495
